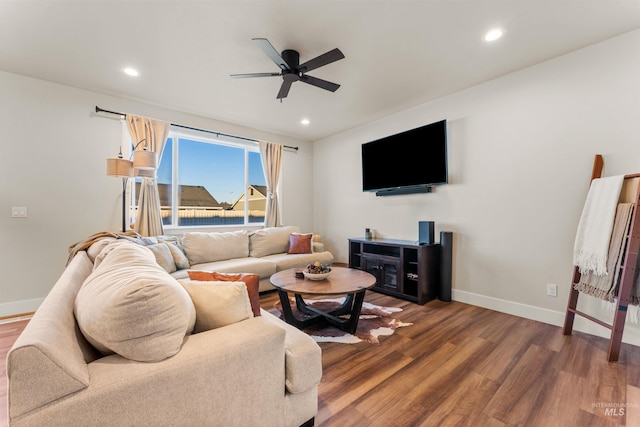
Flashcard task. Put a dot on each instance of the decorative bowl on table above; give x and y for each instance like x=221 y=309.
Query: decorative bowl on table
x=316 y=271
x=316 y=276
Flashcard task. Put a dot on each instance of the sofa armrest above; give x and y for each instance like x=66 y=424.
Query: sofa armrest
x=317 y=246
x=234 y=375
x=49 y=359
x=303 y=357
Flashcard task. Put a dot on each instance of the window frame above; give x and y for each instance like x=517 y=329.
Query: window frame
x=249 y=146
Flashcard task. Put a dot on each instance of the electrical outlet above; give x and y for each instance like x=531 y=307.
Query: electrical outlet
x=552 y=290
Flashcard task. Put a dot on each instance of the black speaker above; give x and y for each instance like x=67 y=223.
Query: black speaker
x=425 y=232
x=446 y=265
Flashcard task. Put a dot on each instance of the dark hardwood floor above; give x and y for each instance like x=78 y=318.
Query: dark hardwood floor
x=461 y=365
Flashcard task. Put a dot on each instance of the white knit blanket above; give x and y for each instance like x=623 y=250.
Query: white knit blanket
x=606 y=286
x=591 y=246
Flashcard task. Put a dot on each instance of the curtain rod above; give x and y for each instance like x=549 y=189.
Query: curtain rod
x=102 y=110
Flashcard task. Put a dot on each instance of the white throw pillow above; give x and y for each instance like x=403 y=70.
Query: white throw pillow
x=210 y=247
x=179 y=257
x=164 y=257
x=129 y=305
x=218 y=303
x=271 y=240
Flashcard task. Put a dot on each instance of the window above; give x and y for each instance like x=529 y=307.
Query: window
x=202 y=181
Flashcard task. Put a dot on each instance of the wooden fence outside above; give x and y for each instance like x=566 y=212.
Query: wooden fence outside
x=188 y=217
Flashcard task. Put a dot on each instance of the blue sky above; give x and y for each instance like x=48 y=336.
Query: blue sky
x=219 y=168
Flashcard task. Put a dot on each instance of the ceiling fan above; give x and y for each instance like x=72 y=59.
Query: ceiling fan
x=292 y=70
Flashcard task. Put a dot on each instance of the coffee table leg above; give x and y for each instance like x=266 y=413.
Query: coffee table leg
x=352 y=324
x=345 y=308
x=288 y=313
x=351 y=306
x=286 y=310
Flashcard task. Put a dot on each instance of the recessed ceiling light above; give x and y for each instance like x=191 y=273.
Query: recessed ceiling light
x=131 y=72
x=493 y=35
x=305 y=122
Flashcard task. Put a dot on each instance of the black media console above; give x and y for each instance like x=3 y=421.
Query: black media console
x=403 y=268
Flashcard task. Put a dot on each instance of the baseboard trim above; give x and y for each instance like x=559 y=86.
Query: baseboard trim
x=19 y=308
x=556 y=318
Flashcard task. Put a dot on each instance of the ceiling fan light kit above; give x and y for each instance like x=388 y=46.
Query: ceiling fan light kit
x=291 y=69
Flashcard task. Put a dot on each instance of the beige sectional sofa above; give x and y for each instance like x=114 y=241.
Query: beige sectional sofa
x=84 y=360
x=263 y=252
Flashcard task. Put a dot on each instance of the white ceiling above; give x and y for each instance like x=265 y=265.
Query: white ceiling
x=398 y=53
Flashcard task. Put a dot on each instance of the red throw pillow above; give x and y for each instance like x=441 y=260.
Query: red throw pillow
x=300 y=243
x=251 y=280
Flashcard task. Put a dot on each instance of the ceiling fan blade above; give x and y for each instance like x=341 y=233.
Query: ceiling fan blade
x=284 y=89
x=323 y=84
x=243 y=76
x=272 y=53
x=319 y=61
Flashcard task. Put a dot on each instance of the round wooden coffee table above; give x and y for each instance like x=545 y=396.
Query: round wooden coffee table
x=342 y=281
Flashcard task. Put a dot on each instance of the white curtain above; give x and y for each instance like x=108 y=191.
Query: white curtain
x=155 y=133
x=271 y=155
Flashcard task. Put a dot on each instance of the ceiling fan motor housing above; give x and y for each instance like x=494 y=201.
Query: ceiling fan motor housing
x=291 y=57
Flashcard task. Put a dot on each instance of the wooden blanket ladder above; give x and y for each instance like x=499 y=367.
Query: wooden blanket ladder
x=630 y=194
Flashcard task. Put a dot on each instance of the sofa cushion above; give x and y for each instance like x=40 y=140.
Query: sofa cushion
x=169 y=256
x=130 y=306
x=260 y=266
x=270 y=240
x=252 y=281
x=209 y=247
x=300 y=243
x=179 y=257
x=218 y=303
x=163 y=255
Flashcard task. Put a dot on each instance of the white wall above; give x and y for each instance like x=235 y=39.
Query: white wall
x=521 y=149
x=52 y=160
x=520 y=152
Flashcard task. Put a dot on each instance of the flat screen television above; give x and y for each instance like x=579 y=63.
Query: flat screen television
x=408 y=162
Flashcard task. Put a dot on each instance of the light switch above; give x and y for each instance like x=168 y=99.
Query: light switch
x=19 y=212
